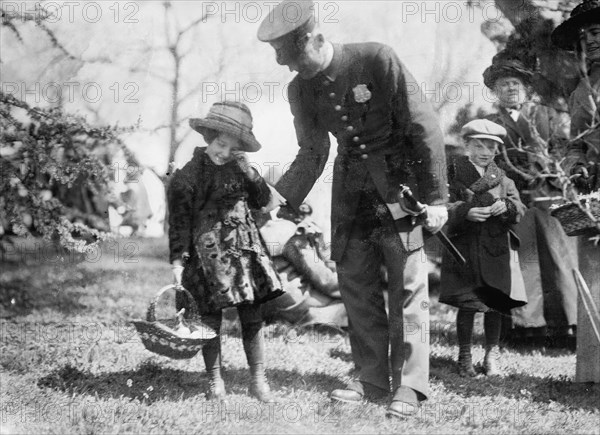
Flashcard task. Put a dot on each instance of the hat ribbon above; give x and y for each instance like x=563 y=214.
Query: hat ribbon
x=228 y=120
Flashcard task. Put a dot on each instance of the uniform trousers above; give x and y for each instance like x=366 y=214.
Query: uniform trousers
x=394 y=343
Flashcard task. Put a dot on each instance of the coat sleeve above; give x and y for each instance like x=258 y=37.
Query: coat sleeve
x=515 y=208
x=584 y=112
x=419 y=125
x=458 y=205
x=313 y=140
x=258 y=192
x=179 y=196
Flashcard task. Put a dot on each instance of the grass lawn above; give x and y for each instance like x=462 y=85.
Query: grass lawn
x=71 y=363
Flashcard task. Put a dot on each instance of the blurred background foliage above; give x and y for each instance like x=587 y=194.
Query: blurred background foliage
x=78 y=71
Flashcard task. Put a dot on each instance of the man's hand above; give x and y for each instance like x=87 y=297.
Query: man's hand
x=479 y=214
x=437 y=215
x=275 y=201
x=498 y=208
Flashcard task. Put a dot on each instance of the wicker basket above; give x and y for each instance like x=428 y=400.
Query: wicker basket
x=159 y=336
x=574 y=220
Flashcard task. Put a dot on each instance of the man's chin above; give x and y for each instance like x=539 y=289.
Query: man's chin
x=307 y=75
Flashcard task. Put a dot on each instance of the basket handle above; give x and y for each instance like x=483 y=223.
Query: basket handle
x=151 y=313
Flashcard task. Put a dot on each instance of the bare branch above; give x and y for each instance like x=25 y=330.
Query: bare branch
x=148 y=72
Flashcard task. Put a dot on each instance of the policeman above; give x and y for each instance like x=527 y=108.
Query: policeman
x=387 y=135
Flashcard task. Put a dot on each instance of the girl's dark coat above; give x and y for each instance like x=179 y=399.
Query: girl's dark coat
x=209 y=219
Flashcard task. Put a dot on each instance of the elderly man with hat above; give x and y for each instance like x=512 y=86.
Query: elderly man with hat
x=387 y=135
x=548 y=256
x=581 y=33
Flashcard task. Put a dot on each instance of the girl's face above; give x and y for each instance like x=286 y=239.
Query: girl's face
x=511 y=91
x=592 y=41
x=482 y=151
x=222 y=149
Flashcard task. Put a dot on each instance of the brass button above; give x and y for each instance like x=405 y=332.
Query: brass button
x=355 y=138
x=344 y=118
x=349 y=128
x=362 y=146
x=364 y=157
x=338 y=108
x=332 y=95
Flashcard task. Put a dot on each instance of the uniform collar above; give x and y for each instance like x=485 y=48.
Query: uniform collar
x=333 y=70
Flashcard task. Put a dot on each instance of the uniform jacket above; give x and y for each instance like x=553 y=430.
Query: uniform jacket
x=488 y=246
x=387 y=134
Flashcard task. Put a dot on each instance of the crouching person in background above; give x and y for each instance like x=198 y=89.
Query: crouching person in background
x=312 y=295
x=484 y=203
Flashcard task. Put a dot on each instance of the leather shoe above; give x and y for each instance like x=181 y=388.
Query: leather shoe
x=405 y=403
x=356 y=391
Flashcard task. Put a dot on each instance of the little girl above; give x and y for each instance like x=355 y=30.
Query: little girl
x=484 y=203
x=213 y=235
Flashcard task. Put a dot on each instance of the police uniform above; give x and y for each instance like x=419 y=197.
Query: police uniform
x=387 y=135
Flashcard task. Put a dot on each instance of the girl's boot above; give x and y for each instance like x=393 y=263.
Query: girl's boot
x=212 y=360
x=254 y=346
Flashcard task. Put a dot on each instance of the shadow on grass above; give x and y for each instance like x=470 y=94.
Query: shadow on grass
x=19 y=298
x=519 y=386
x=152 y=382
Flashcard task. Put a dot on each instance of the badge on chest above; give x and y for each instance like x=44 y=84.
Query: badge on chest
x=361 y=93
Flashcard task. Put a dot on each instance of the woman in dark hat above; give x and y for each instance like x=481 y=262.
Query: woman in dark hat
x=213 y=235
x=548 y=256
x=581 y=33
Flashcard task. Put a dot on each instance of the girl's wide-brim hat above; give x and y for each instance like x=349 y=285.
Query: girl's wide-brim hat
x=229 y=117
x=506 y=68
x=568 y=34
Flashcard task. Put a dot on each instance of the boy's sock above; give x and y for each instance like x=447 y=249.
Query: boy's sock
x=492 y=323
x=464 y=332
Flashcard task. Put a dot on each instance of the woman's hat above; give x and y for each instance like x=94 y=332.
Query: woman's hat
x=502 y=67
x=229 y=117
x=483 y=129
x=567 y=35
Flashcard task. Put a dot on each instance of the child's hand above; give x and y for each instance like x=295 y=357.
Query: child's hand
x=478 y=214
x=244 y=164
x=498 y=208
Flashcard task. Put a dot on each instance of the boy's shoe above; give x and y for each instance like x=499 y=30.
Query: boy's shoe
x=465 y=362
x=490 y=361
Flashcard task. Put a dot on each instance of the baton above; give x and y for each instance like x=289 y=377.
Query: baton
x=415 y=208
